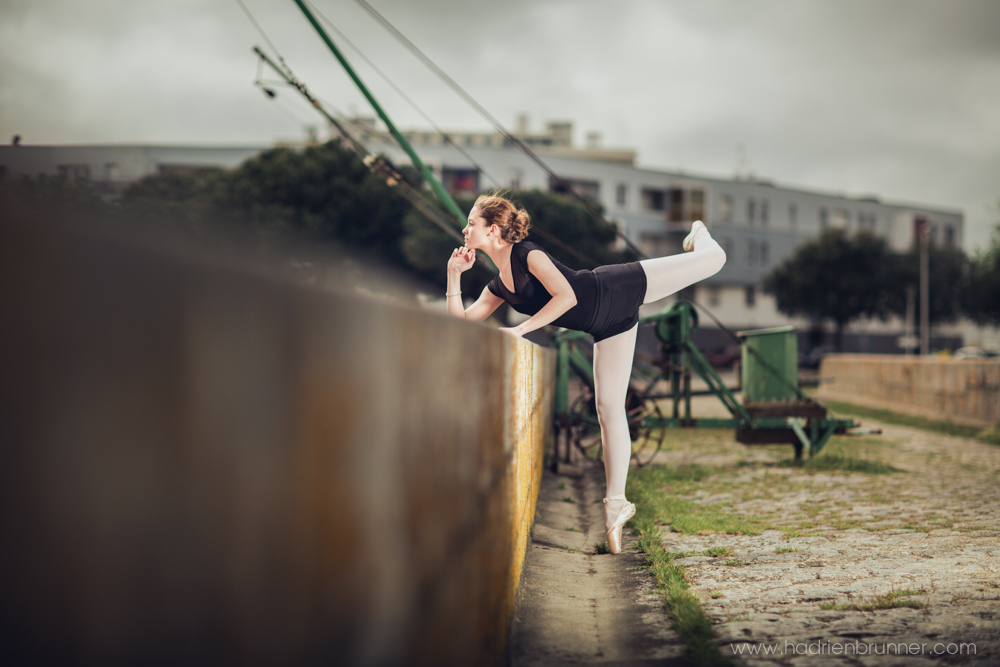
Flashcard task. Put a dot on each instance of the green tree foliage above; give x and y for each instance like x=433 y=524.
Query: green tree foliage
x=981 y=297
x=314 y=195
x=834 y=277
x=320 y=193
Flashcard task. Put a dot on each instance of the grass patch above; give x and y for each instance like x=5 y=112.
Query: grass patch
x=892 y=600
x=989 y=435
x=568 y=499
x=683 y=515
x=839 y=462
x=602 y=548
x=684 y=608
x=735 y=562
x=718 y=552
x=785 y=550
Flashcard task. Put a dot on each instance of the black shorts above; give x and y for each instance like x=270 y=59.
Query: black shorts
x=620 y=291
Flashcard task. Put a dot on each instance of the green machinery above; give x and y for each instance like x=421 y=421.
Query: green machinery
x=774 y=409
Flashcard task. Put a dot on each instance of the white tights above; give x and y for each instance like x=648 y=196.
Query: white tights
x=613 y=356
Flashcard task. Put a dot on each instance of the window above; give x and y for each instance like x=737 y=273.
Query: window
x=75 y=172
x=726 y=208
x=621 y=191
x=764 y=211
x=949 y=236
x=793 y=214
x=727 y=245
x=696 y=204
x=460 y=181
x=111 y=171
x=839 y=218
x=751 y=210
x=750 y=296
x=676 y=212
x=751 y=252
x=764 y=252
x=713 y=296
x=589 y=189
x=653 y=200
x=824 y=219
x=515 y=179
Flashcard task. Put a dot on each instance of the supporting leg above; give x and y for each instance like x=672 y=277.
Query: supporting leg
x=612 y=369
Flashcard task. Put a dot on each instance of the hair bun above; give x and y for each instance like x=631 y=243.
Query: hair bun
x=512 y=221
x=519 y=225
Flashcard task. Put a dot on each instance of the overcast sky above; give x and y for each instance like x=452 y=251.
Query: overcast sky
x=899 y=98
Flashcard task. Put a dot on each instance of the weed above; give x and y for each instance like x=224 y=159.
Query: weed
x=715 y=595
x=831 y=462
x=602 y=548
x=573 y=528
x=562 y=486
x=718 y=552
x=735 y=562
x=568 y=499
x=894 y=599
x=785 y=550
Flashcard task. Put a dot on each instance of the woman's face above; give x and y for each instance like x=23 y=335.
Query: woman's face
x=476 y=230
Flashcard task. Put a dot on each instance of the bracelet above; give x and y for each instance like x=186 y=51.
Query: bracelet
x=459 y=293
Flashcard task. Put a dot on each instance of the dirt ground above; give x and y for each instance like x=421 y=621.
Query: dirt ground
x=838 y=542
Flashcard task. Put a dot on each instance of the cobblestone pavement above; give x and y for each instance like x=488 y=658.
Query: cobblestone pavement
x=795 y=594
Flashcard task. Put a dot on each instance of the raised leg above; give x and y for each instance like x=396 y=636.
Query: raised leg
x=669 y=275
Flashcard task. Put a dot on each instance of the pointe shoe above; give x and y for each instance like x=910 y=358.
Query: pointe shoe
x=698 y=229
x=614 y=534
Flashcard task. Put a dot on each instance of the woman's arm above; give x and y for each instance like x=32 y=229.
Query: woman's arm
x=555 y=283
x=462 y=260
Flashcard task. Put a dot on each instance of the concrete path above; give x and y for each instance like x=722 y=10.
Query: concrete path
x=579 y=608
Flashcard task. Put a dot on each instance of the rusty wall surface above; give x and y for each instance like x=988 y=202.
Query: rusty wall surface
x=959 y=390
x=203 y=465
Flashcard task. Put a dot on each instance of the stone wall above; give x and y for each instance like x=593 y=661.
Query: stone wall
x=958 y=390
x=207 y=465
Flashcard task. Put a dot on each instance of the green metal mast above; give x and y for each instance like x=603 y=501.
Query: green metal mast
x=428 y=175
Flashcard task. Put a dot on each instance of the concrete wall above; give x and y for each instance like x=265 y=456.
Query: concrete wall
x=963 y=391
x=203 y=465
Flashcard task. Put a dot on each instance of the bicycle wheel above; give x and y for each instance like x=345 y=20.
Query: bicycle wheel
x=645 y=426
x=585 y=430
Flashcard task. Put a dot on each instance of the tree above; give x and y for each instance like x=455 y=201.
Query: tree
x=981 y=297
x=833 y=277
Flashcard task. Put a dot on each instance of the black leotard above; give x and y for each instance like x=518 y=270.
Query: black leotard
x=607 y=298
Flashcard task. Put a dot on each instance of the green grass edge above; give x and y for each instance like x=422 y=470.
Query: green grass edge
x=687 y=616
x=988 y=435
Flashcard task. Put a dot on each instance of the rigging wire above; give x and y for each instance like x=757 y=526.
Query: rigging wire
x=402 y=94
x=381 y=166
x=402 y=39
x=520 y=145
x=447 y=138
x=263 y=34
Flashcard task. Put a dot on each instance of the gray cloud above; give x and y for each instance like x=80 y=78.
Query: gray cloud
x=897 y=97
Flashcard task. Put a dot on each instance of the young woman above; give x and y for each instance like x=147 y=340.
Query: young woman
x=603 y=302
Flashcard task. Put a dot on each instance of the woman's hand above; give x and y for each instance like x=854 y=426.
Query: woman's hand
x=462 y=260
x=513 y=331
